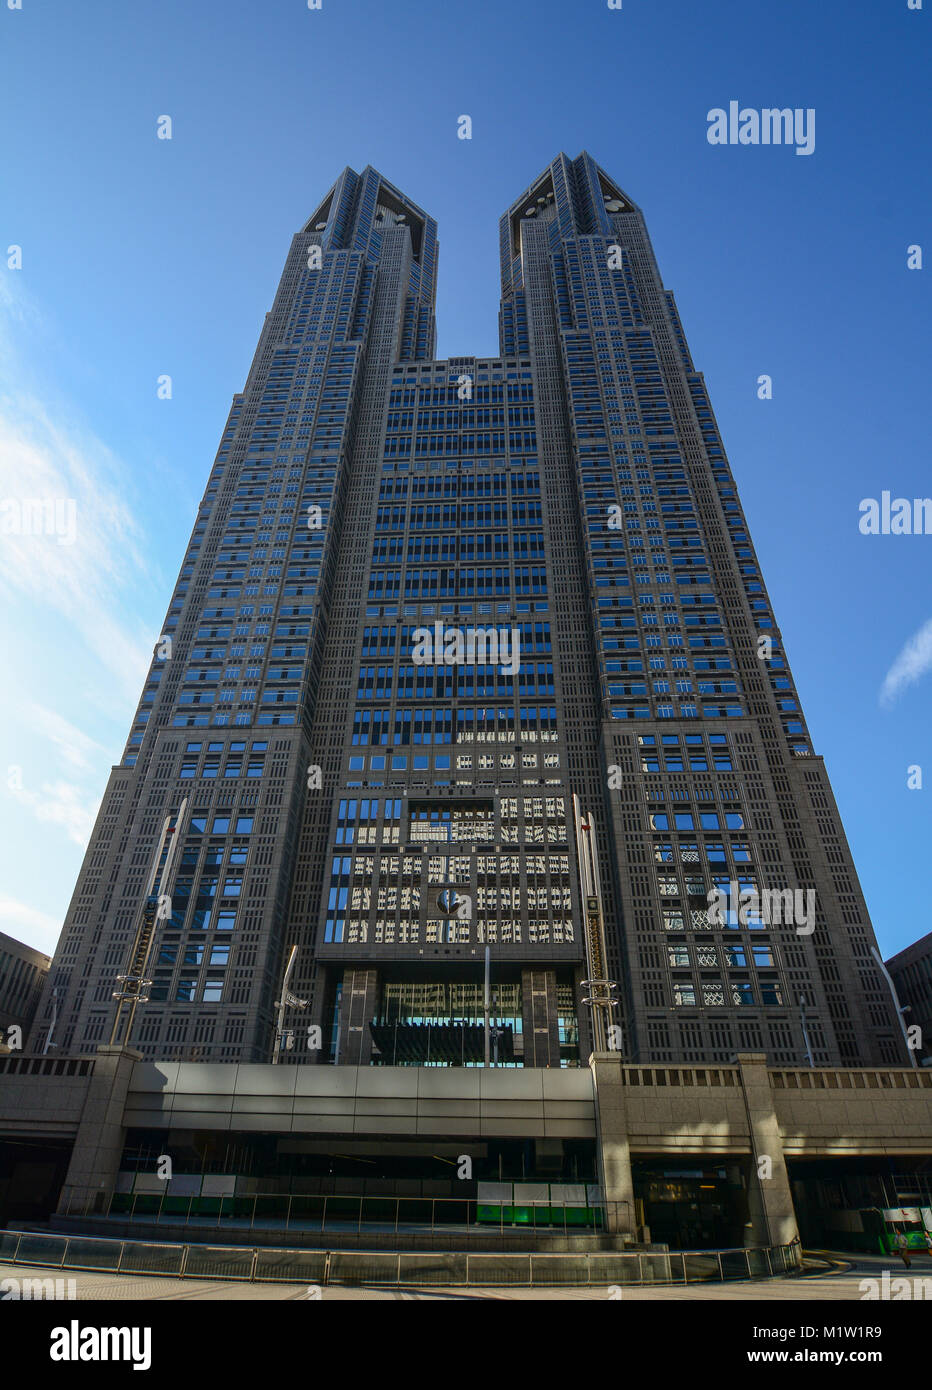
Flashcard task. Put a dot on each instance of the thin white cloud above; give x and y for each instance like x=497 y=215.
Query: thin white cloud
x=16 y=306
x=85 y=562
x=911 y=664
x=77 y=749
x=20 y=920
x=60 y=803
x=84 y=567
x=74 y=649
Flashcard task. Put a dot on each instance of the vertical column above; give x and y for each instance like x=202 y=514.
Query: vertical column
x=770 y=1199
x=98 y=1145
x=613 y=1149
x=539 y=1015
x=359 y=1008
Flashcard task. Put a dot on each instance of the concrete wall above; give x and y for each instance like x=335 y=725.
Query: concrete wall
x=839 y=1113
x=667 y=1110
x=362 y=1100
x=42 y=1097
x=820 y=1113
x=747 y=1109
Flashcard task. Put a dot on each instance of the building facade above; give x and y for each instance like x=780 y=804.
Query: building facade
x=911 y=972
x=424 y=605
x=23 y=972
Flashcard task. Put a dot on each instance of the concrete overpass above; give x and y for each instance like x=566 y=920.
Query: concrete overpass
x=764 y=1116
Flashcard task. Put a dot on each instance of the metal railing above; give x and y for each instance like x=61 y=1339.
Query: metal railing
x=357 y=1213
x=321 y=1267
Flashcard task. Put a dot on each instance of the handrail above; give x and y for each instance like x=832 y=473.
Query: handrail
x=281 y=1264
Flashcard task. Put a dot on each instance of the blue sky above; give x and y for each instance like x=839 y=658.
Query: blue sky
x=143 y=256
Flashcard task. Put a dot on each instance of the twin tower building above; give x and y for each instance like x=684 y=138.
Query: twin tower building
x=471 y=654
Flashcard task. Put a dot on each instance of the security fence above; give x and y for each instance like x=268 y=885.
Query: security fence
x=481 y=1217
x=319 y=1268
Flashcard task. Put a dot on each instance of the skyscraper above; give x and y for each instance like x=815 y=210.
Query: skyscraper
x=424 y=605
